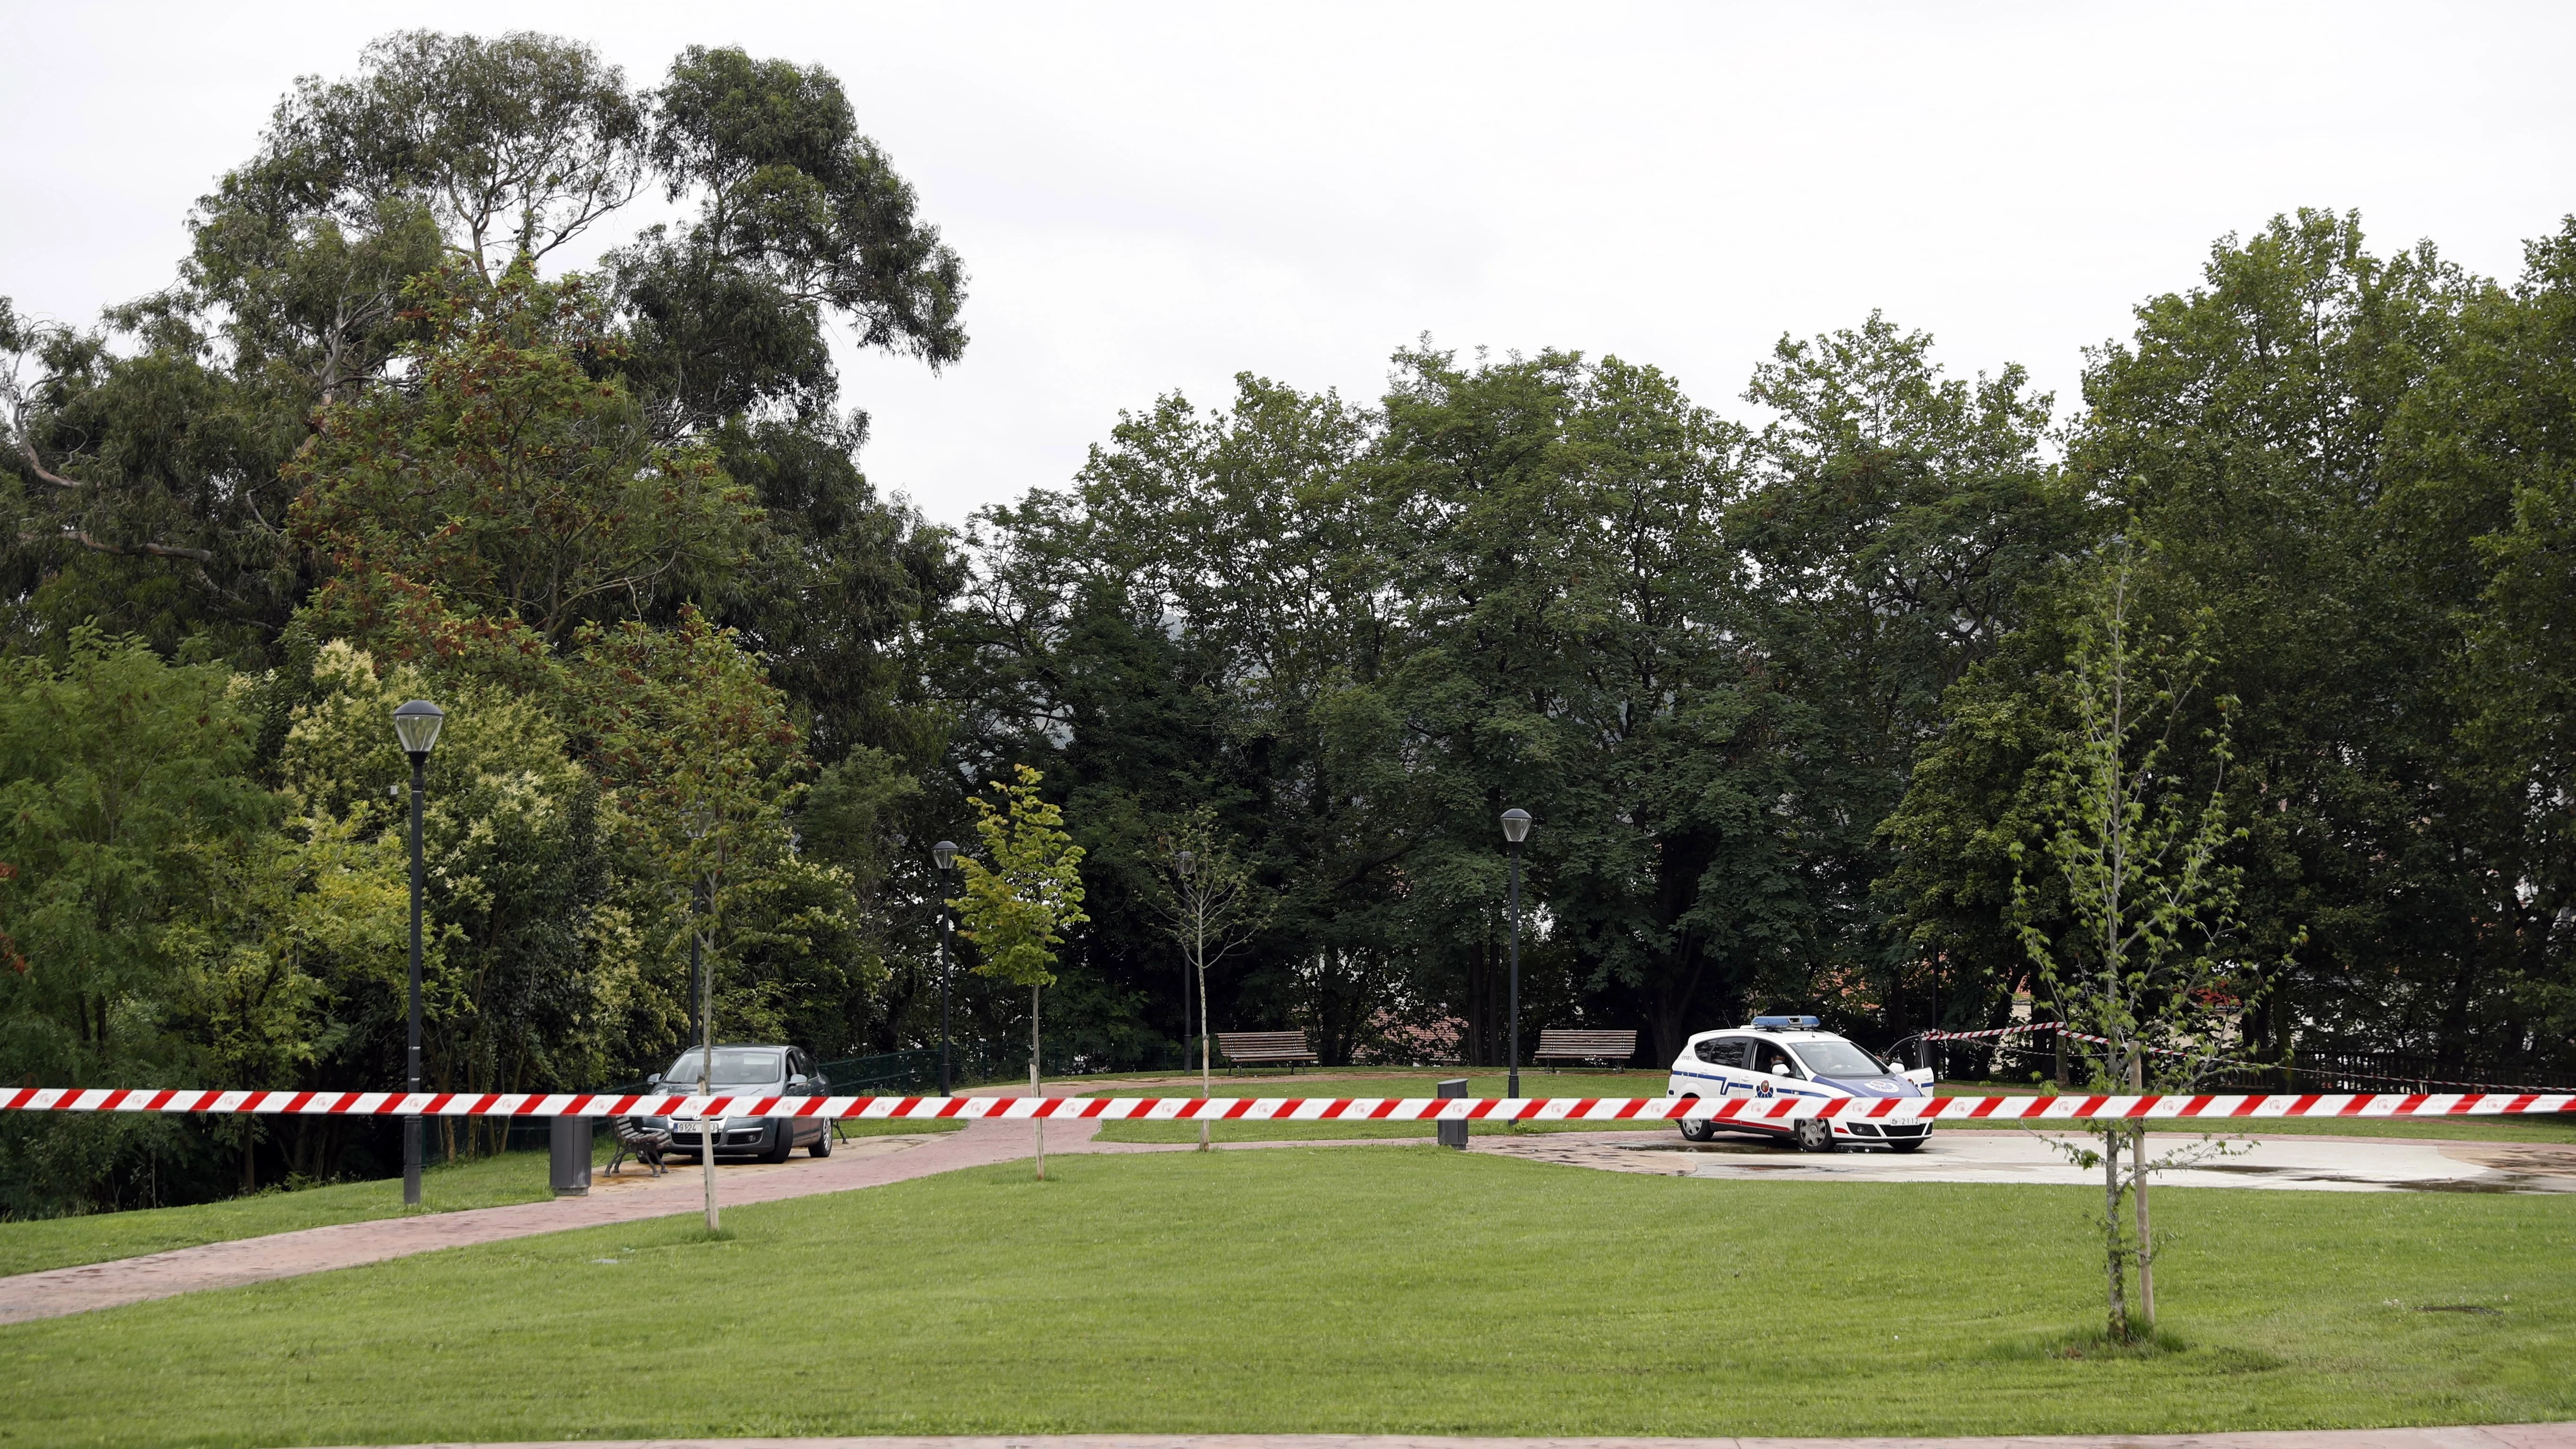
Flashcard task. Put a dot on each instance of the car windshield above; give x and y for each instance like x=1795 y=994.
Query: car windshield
x=734 y=1067
x=1838 y=1059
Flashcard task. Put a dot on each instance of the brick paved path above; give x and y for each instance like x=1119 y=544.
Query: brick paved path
x=2500 y=1436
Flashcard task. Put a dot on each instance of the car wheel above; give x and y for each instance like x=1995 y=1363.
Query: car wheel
x=1914 y=1146
x=1698 y=1129
x=783 y=1142
x=822 y=1145
x=1814 y=1134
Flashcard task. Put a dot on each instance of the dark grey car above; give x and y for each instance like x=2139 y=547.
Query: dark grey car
x=749 y=1069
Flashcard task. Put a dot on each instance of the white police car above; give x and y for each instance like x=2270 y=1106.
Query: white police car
x=1786 y=1056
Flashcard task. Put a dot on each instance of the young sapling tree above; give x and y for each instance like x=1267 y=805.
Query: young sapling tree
x=1021 y=898
x=1207 y=903
x=2133 y=819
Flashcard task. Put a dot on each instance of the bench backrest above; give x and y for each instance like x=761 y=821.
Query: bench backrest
x=1578 y=1041
x=1241 y=1045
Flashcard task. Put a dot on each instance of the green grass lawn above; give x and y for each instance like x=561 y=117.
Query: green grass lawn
x=1642 y=1084
x=1379 y=1290
x=37 y=1244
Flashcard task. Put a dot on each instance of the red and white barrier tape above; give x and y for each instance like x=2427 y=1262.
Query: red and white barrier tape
x=2067 y=1107
x=1995 y=1032
x=2336 y=1073
x=2061 y=1030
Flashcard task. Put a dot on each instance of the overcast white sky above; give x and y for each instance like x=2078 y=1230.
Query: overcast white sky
x=1153 y=197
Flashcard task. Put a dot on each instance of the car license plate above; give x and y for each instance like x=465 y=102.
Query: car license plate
x=693 y=1126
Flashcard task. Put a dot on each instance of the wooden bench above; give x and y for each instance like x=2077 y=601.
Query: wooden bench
x=634 y=1141
x=1264 y=1048
x=1573 y=1044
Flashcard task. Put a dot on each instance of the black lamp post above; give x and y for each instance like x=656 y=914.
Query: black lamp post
x=1516 y=824
x=416 y=727
x=945 y=852
x=1183 y=862
x=699 y=822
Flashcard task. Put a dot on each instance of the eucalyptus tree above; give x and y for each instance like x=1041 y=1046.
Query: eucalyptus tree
x=292 y=297
x=505 y=480
x=146 y=456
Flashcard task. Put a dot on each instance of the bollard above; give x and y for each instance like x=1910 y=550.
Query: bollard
x=568 y=1156
x=1453 y=1134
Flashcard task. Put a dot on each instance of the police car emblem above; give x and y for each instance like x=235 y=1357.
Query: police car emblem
x=1762 y=1089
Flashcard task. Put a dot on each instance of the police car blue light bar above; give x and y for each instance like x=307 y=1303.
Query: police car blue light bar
x=1786 y=1023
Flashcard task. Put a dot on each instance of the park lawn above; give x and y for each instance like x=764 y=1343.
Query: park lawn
x=1378 y=1290
x=2555 y=1128
x=34 y=1245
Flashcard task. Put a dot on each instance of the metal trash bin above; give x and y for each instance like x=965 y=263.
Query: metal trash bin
x=1453 y=1134
x=568 y=1156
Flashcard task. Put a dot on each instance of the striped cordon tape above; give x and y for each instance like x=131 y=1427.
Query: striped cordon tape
x=2067 y=1107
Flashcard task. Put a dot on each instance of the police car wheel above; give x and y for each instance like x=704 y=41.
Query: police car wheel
x=1700 y=1130
x=1815 y=1134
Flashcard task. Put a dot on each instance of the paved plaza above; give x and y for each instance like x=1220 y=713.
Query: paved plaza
x=2312 y=1163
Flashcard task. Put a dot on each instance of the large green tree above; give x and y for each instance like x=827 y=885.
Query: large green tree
x=125 y=787
x=2481 y=458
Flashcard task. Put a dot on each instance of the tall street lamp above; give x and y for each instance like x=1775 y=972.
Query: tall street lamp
x=1183 y=862
x=1516 y=824
x=698 y=823
x=1194 y=898
x=416 y=728
x=945 y=852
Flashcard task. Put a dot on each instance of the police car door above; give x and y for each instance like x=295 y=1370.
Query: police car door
x=1769 y=1083
x=1730 y=1060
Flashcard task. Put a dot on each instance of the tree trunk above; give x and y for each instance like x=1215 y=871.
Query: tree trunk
x=2138 y=1184
x=2146 y=1241
x=2116 y=1258
x=1035 y=1090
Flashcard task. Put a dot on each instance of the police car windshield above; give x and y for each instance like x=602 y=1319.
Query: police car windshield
x=734 y=1067
x=1837 y=1059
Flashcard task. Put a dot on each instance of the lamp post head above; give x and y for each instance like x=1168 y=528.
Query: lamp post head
x=1516 y=824
x=1185 y=860
x=944 y=852
x=416 y=726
